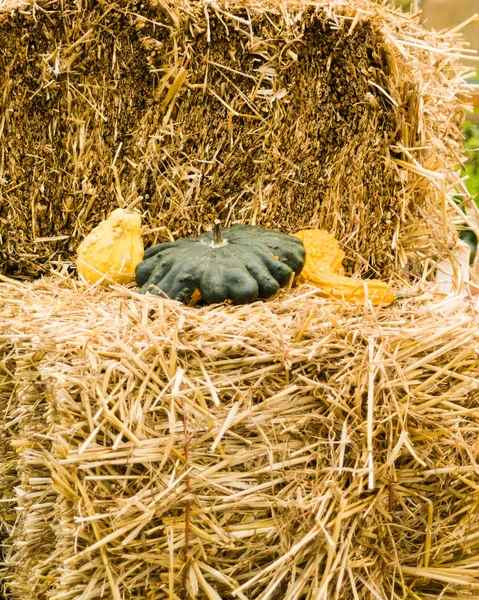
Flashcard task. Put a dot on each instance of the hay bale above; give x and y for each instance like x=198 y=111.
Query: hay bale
x=341 y=115
x=292 y=449
x=8 y=462
x=27 y=509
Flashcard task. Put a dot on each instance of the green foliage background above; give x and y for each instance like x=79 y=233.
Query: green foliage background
x=471 y=141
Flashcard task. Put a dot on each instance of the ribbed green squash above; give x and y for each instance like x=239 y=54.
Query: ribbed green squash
x=241 y=263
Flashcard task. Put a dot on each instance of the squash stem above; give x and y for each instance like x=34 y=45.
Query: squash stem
x=217 y=239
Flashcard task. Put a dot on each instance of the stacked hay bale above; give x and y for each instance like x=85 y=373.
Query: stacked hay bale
x=8 y=462
x=24 y=472
x=292 y=449
x=342 y=115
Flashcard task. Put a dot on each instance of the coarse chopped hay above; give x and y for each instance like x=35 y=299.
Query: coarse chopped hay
x=343 y=115
x=296 y=447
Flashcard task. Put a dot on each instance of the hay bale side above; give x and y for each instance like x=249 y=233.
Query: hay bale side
x=32 y=545
x=278 y=450
x=8 y=462
x=341 y=115
x=28 y=500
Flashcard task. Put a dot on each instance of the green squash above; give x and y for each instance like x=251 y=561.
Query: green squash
x=241 y=263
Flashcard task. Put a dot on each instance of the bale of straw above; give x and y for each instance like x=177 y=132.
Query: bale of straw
x=8 y=462
x=27 y=508
x=337 y=114
x=296 y=449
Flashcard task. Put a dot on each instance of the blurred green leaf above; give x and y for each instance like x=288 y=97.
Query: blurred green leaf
x=471 y=143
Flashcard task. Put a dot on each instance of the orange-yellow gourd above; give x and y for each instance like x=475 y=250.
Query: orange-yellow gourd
x=112 y=250
x=322 y=252
x=323 y=268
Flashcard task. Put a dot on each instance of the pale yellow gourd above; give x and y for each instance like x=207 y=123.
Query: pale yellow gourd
x=111 y=251
x=323 y=268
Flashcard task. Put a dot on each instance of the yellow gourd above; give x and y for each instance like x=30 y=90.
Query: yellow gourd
x=111 y=251
x=323 y=268
x=322 y=251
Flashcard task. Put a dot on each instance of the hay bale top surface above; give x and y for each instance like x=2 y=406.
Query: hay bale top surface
x=276 y=450
x=341 y=115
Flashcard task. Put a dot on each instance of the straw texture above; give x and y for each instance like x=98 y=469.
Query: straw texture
x=343 y=115
x=8 y=462
x=297 y=449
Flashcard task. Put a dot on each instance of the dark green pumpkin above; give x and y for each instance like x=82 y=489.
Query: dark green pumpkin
x=241 y=263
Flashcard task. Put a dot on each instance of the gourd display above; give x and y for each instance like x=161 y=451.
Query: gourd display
x=323 y=268
x=111 y=251
x=241 y=263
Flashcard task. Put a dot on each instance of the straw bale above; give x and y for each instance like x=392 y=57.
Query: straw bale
x=339 y=114
x=8 y=462
x=297 y=448
x=24 y=413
